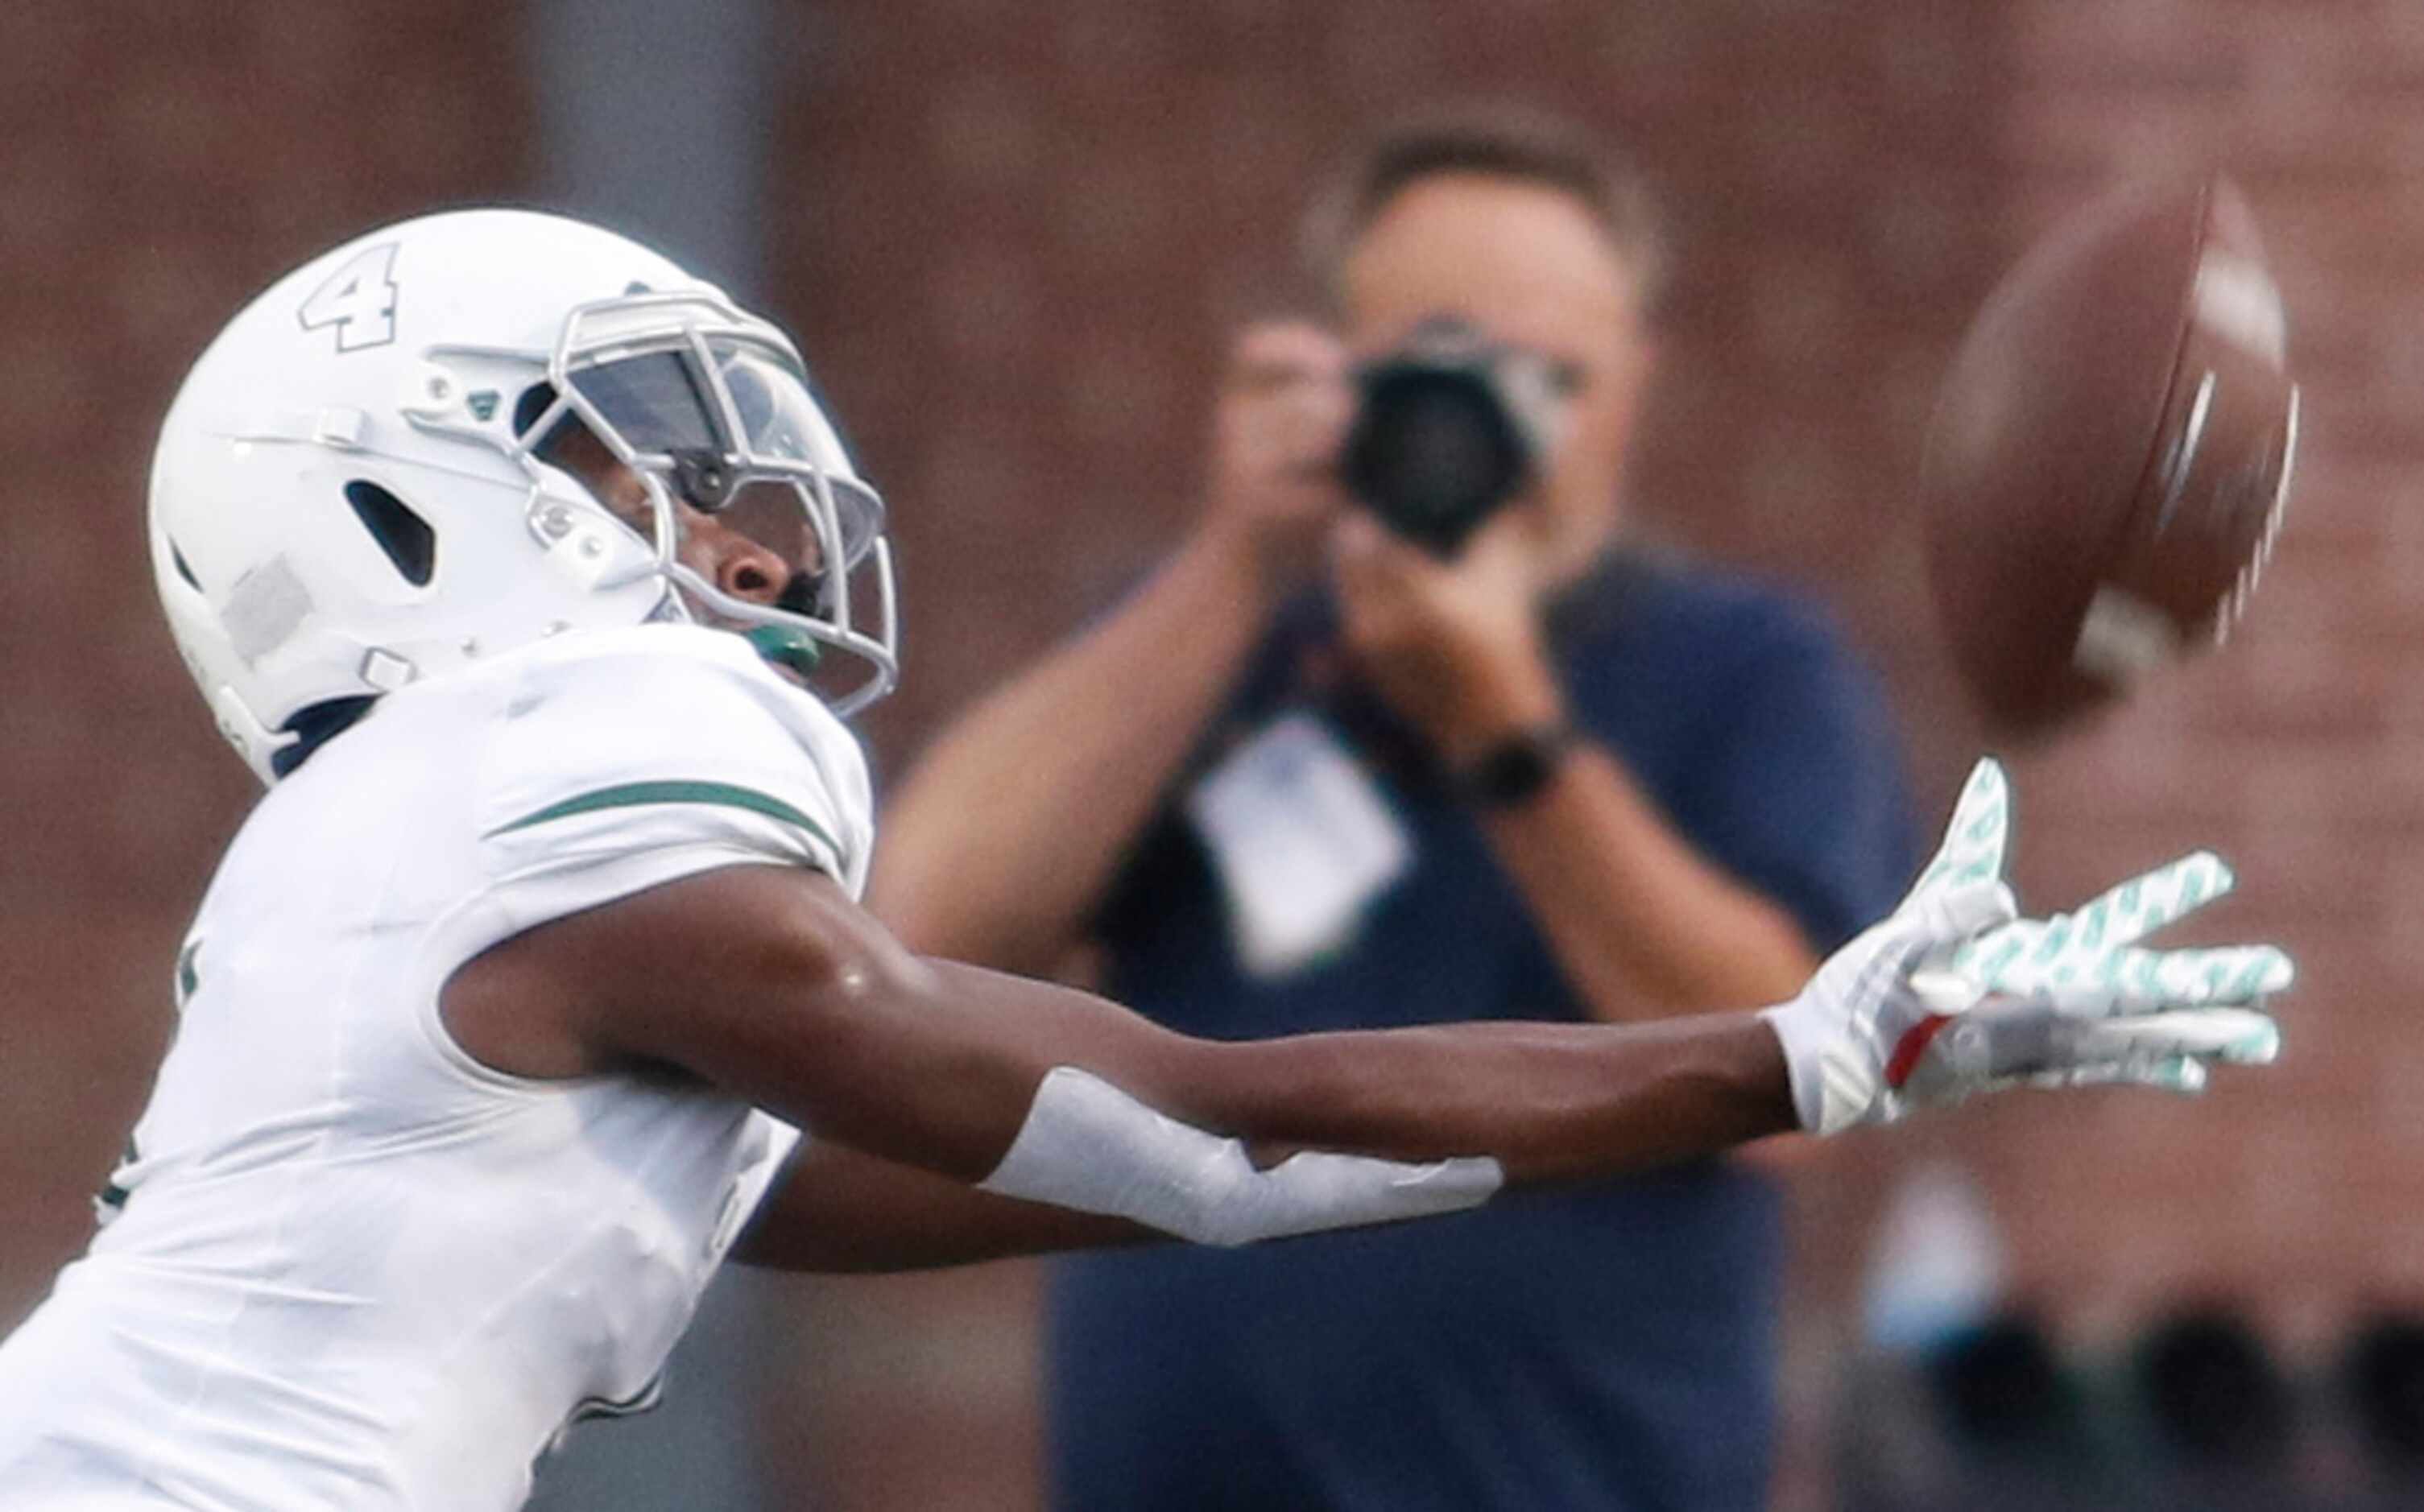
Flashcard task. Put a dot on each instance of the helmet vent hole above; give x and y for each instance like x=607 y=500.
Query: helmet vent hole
x=535 y=402
x=177 y=560
x=530 y=406
x=404 y=536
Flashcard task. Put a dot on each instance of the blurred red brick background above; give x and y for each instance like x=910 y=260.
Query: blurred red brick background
x=2301 y=753
x=1012 y=238
x=158 y=166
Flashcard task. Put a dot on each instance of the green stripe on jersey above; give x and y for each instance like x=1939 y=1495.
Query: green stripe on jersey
x=188 y=976
x=628 y=794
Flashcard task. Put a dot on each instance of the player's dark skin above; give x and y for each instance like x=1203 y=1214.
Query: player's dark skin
x=913 y=1074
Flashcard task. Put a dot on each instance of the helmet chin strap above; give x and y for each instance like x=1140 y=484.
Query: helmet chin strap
x=253 y=741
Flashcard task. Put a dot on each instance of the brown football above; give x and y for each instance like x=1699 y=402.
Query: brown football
x=2111 y=455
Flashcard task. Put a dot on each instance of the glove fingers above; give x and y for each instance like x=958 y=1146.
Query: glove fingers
x=1973 y=840
x=2181 y=1075
x=2135 y=981
x=1947 y=924
x=1944 y=990
x=2142 y=905
x=2233 y=1036
x=1953 y=912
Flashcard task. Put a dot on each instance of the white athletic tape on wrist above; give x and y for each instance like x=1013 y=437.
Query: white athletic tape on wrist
x=1089 y=1146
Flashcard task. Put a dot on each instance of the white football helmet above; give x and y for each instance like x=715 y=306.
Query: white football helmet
x=360 y=486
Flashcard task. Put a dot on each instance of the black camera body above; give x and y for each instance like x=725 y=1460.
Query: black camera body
x=1446 y=429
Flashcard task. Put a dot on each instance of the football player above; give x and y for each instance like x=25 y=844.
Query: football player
x=529 y=574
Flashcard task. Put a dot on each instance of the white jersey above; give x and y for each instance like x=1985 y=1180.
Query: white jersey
x=350 y=1266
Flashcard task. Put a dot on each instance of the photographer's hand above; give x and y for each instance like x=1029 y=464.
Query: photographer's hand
x=1284 y=406
x=1454 y=647
x=1001 y=844
x=1641 y=924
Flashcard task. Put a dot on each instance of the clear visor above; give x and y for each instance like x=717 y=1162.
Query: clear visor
x=726 y=426
x=731 y=471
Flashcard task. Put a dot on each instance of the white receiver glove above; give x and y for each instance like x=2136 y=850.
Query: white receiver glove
x=1953 y=995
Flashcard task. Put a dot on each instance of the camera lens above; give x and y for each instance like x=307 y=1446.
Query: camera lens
x=1436 y=452
x=1433 y=450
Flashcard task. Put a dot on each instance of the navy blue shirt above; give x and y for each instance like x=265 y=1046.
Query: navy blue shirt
x=1608 y=1347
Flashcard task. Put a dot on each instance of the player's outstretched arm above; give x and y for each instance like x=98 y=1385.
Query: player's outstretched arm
x=769 y=982
x=772 y=983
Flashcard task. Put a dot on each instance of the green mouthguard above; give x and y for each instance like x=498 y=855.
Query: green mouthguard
x=785 y=648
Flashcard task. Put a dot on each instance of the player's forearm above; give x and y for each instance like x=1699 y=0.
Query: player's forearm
x=1001 y=842
x=1235 y=1143
x=1548 y=1102
x=1643 y=925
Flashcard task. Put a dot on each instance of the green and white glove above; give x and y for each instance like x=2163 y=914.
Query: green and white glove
x=1953 y=995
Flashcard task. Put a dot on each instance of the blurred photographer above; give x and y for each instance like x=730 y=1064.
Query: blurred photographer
x=1407 y=731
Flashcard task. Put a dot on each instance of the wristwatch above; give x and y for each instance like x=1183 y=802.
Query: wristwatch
x=1513 y=771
